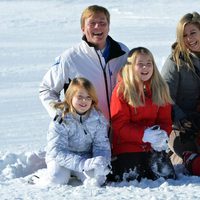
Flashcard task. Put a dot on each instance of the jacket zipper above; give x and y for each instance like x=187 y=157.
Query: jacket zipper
x=106 y=84
x=81 y=121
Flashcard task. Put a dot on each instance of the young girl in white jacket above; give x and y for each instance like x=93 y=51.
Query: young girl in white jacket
x=77 y=141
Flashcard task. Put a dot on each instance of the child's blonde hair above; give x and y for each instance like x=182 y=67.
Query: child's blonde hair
x=74 y=86
x=130 y=89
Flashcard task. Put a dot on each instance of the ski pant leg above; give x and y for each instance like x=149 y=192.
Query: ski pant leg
x=177 y=146
x=80 y=176
x=132 y=166
x=161 y=165
x=57 y=174
x=196 y=166
x=192 y=162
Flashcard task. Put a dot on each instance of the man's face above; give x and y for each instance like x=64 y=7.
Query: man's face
x=96 y=30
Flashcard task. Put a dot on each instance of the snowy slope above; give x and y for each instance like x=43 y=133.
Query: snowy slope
x=32 y=34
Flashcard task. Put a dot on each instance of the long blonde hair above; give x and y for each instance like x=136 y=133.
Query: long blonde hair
x=130 y=89
x=179 y=46
x=76 y=84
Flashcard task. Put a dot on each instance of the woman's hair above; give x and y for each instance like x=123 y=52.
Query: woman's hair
x=130 y=89
x=92 y=10
x=179 y=47
x=75 y=85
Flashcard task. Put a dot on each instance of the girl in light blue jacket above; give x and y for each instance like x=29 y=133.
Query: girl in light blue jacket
x=77 y=141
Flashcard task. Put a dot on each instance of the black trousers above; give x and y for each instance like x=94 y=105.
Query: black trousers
x=138 y=165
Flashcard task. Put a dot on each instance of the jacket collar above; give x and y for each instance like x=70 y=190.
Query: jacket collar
x=90 y=115
x=81 y=117
x=114 y=48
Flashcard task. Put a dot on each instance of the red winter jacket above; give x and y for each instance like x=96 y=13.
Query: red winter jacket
x=129 y=123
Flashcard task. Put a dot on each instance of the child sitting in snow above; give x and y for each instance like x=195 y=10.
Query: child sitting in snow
x=141 y=120
x=77 y=140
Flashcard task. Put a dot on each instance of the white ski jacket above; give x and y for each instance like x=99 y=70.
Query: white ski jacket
x=84 y=61
x=77 y=138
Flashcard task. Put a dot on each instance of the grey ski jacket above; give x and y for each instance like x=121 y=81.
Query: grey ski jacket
x=184 y=86
x=77 y=138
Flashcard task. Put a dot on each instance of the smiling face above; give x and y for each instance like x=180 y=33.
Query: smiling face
x=81 y=101
x=191 y=37
x=144 y=66
x=96 y=28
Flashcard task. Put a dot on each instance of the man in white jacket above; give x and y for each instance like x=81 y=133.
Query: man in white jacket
x=97 y=57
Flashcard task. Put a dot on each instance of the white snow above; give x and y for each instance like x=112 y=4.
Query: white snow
x=32 y=34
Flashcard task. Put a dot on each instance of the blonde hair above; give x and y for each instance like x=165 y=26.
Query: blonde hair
x=179 y=47
x=92 y=10
x=74 y=86
x=130 y=89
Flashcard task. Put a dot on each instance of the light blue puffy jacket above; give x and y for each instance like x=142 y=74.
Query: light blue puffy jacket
x=77 y=138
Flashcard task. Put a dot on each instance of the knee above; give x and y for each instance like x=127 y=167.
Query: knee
x=58 y=174
x=60 y=177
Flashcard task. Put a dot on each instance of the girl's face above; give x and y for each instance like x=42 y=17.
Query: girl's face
x=81 y=101
x=144 y=67
x=191 y=37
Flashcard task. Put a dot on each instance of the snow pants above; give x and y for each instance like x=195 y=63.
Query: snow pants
x=60 y=175
x=178 y=146
x=138 y=165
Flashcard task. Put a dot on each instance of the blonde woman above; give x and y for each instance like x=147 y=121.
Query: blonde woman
x=182 y=73
x=77 y=141
x=141 y=120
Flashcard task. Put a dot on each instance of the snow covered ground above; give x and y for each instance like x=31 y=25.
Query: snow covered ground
x=32 y=34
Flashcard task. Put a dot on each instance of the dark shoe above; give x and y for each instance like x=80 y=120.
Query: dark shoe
x=188 y=158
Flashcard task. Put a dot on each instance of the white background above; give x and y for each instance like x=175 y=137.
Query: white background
x=32 y=34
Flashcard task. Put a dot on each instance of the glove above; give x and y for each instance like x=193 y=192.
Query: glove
x=188 y=128
x=182 y=125
x=152 y=134
x=97 y=163
x=102 y=170
x=157 y=137
x=162 y=145
x=95 y=171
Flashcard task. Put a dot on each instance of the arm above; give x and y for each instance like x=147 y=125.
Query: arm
x=51 y=86
x=101 y=144
x=123 y=127
x=57 y=147
x=164 y=118
x=171 y=75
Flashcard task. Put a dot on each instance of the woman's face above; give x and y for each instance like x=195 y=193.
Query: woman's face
x=81 y=101
x=191 y=37
x=144 y=67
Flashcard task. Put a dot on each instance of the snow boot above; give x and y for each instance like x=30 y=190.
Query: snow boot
x=192 y=162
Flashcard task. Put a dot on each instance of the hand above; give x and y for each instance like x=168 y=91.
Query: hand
x=182 y=125
x=95 y=163
x=102 y=170
x=151 y=134
x=188 y=128
x=162 y=145
x=157 y=137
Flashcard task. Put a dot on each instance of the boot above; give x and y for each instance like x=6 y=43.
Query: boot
x=192 y=162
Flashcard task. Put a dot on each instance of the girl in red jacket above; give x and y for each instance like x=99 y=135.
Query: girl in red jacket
x=141 y=120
